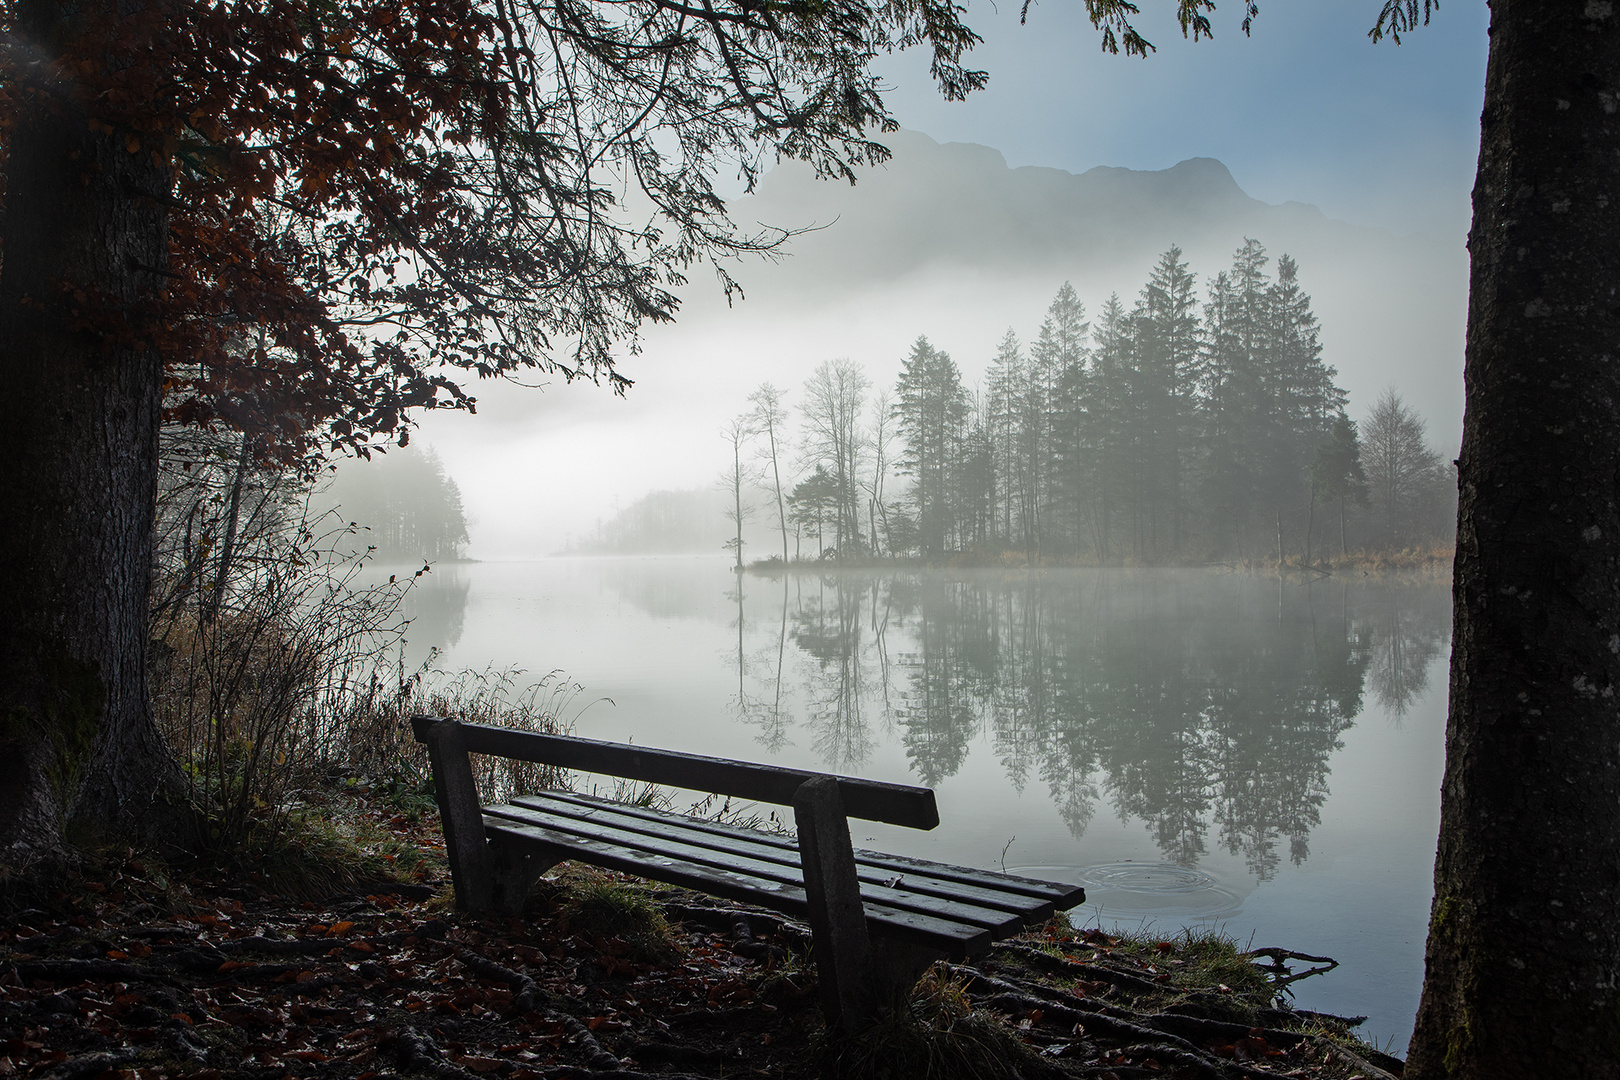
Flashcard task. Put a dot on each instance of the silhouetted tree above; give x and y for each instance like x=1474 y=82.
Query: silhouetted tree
x=398 y=195
x=1054 y=387
x=734 y=481
x=1004 y=383
x=1337 y=474
x=813 y=503
x=833 y=400
x=930 y=409
x=768 y=417
x=1168 y=339
x=1404 y=477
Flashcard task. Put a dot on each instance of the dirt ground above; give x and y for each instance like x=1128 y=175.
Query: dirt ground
x=121 y=967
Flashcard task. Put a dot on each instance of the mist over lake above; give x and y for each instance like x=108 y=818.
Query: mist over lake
x=1197 y=747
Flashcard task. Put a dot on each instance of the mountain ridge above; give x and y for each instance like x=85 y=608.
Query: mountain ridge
x=961 y=203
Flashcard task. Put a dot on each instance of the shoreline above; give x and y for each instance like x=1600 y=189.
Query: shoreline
x=1433 y=563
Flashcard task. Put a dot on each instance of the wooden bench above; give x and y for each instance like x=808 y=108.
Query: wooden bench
x=876 y=921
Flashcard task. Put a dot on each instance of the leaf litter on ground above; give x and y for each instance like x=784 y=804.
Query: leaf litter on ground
x=117 y=967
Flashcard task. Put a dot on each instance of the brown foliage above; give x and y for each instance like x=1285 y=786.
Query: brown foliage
x=369 y=200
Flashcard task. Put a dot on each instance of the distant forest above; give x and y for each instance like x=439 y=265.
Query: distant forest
x=662 y=522
x=403 y=501
x=1176 y=428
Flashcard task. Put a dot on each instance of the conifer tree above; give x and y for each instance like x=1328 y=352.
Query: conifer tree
x=1057 y=358
x=1004 y=381
x=405 y=501
x=974 y=482
x=813 y=504
x=1337 y=474
x=1093 y=424
x=931 y=408
x=1222 y=463
x=1169 y=336
x=1299 y=387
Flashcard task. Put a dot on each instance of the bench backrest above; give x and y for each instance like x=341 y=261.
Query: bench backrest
x=870 y=800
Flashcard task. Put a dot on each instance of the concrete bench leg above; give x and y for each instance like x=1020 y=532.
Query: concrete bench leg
x=516 y=869
x=471 y=863
x=897 y=966
x=844 y=967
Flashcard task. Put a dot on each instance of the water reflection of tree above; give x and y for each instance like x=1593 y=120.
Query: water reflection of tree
x=436 y=605
x=826 y=626
x=1147 y=684
x=938 y=714
x=1406 y=631
x=772 y=715
x=1208 y=706
x=762 y=668
x=1100 y=685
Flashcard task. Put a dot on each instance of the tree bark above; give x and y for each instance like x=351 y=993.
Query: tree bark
x=1524 y=940
x=85 y=242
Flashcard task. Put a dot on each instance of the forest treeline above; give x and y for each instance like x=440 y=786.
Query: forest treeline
x=1173 y=428
x=405 y=503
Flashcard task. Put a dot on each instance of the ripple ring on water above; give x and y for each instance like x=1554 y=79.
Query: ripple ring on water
x=1147 y=877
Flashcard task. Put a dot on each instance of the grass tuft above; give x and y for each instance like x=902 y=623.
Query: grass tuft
x=1184 y=966
x=322 y=848
x=934 y=1034
x=603 y=908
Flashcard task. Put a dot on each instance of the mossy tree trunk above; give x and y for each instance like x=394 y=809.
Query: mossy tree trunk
x=85 y=243
x=1524 y=941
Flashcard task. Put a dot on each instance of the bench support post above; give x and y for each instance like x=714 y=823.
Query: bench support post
x=897 y=966
x=471 y=861
x=837 y=919
x=515 y=869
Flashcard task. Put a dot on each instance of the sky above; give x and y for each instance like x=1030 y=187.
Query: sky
x=1307 y=110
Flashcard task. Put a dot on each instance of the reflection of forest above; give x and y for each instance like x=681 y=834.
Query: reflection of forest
x=1201 y=703
x=436 y=605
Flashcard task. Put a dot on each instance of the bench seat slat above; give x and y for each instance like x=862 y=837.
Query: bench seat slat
x=917 y=877
x=1060 y=894
x=675 y=842
x=956 y=938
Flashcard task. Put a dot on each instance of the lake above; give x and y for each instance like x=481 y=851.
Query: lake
x=1197 y=747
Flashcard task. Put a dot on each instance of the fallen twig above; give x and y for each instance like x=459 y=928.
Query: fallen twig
x=1354 y=1060
x=1278 y=971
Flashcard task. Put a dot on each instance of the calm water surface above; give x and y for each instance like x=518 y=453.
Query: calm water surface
x=1196 y=747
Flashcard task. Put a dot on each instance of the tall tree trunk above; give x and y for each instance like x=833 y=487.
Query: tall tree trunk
x=1310 y=526
x=1524 y=943
x=781 y=507
x=85 y=238
x=227 y=547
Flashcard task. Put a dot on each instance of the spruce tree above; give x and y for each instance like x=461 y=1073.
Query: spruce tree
x=1337 y=474
x=931 y=409
x=1097 y=448
x=1169 y=339
x=1004 y=383
x=1057 y=367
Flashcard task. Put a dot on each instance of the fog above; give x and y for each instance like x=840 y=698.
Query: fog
x=952 y=242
